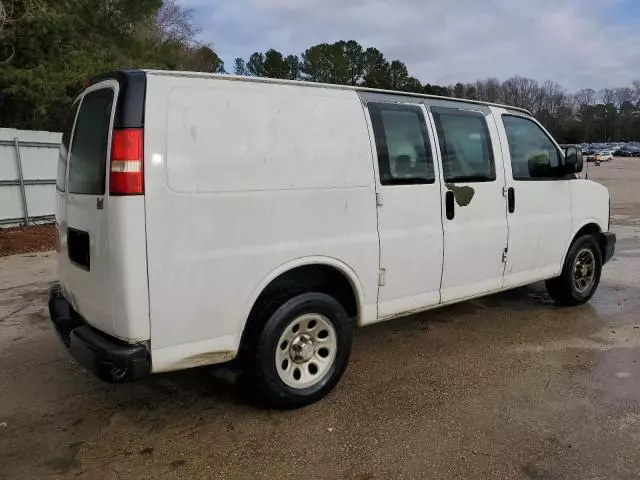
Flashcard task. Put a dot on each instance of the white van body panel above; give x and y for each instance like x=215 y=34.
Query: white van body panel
x=541 y=225
x=247 y=179
x=231 y=170
x=480 y=226
x=411 y=243
x=590 y=206
x=590 y=201
x=112 y=295
x=130 y=308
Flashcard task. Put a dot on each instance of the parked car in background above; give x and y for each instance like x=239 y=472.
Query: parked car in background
x=606 y=155
x=627 y=151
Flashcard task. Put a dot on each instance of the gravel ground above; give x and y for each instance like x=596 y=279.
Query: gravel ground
x=504 y=387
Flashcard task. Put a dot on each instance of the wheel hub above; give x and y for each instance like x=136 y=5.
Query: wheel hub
x=584 y=270
x=306 y=351
x=302 y=348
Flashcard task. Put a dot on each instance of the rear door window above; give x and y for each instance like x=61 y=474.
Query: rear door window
x=402 y=142
x=465 y=145
x=61 y=181
x=88 y=157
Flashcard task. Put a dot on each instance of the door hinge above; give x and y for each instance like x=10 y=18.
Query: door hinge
x=504 y=255
x=505 y=191
x=381 y=277
x=379 y=199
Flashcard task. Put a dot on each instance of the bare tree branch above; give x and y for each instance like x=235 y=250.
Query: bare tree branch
x=31 y=8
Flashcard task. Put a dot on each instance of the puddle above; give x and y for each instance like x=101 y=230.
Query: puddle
x=615 y=299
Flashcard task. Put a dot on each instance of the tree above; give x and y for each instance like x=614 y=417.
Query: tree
x=520 y=92
x=11 y=12
x=270 y=64
x=47 y=53
x=255 y=65
x=325 y=63
x=377 y=71
x=413 y=85
x=471 y=92
x=586 y=96
x=239 y=67
x=57 y=48
x=274 y=65
x=203 y=59
x=292 y=67
x=355 y=57
x=458 y=90
x=398 y=75
x=172 y=22
x=489 y=90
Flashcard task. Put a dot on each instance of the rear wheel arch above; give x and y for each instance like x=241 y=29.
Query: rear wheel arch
x=318 y=274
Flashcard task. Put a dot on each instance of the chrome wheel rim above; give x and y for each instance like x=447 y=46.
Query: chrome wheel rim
x=584 y=270
x=306 y=351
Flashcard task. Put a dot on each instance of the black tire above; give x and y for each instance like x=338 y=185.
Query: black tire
x=259 y=361
x=562 y=288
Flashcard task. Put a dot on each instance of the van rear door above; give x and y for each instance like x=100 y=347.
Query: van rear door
x=84 y=262
x=101 y=208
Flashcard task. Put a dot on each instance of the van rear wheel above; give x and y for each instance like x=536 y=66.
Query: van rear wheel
x=301 y=352
x=580 y=275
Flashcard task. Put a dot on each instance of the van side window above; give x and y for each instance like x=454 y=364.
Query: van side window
x=533 y=154
x=465 y=145
x=88 y=157
x=61 y=180
x=402 y=143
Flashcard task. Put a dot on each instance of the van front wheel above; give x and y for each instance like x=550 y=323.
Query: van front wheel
x=580 y=274
x=302 y=351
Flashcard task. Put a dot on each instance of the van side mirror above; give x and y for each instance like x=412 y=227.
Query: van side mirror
x=573 y=160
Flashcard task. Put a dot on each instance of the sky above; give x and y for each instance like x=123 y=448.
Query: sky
x=578 y=43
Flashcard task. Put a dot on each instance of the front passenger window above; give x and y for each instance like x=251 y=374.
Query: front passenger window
x=533 y=154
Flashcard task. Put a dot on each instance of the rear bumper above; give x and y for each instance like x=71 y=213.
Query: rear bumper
x=108 y=358
x=608 y=246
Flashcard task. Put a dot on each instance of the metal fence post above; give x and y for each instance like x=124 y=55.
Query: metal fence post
x=16 y=142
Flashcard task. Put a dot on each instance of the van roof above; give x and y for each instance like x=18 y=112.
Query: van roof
x=242 y=78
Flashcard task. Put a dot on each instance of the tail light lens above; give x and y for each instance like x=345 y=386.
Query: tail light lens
x=126 y=172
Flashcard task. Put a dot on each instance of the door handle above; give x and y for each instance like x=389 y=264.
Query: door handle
x=449 y=204
x=511 y=199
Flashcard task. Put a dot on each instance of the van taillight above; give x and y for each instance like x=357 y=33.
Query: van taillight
x=126 y=172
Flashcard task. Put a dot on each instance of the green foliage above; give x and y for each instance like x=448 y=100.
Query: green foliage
x=60 y=46
x=324 y=63
x=377 y=71
x=239 y=67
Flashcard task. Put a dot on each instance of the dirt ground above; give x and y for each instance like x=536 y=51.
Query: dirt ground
x=509 y=386
x=37 y=238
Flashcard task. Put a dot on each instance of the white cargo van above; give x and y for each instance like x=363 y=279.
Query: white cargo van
x=204 y=218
